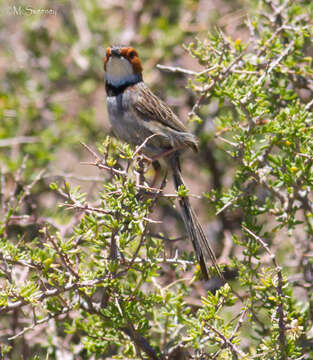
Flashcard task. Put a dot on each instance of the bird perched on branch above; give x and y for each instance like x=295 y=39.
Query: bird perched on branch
x=139 y=117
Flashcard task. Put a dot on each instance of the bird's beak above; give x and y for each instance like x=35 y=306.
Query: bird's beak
x=115 y=52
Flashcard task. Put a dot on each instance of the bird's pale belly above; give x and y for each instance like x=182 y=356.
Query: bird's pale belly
x=125 y=124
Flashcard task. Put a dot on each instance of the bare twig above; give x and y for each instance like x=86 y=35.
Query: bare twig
x=139 y=148
x=19 y=140
x=178 y=69
x=100 y=165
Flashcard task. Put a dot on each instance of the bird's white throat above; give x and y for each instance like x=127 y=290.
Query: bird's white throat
x=119 y=72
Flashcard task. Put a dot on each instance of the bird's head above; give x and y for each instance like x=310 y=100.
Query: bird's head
x=122 y=66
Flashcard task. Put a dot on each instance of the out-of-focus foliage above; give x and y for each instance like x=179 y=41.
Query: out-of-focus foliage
x=87 y=271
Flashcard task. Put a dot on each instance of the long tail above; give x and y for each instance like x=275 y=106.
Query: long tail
x=200 y=243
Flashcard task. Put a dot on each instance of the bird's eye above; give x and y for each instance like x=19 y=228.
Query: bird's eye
x=132 y=54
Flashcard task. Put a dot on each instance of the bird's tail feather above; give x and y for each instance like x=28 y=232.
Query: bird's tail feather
x=200 y=243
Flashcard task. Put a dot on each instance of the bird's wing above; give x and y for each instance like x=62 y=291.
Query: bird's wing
x=150 y=107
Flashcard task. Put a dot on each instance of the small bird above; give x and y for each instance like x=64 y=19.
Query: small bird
x=139 y=117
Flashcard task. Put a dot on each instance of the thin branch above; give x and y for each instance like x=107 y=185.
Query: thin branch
x=17 y=262
x=138 y=149
x=238 y=326
x=88 y=208
x=19 y=140
x=174 y=260
x=65 y=310
x=100 y=165
x=177 y=69
x=99 y=162
x=64 y=257
x=279 y=291
x=158 y=236
x=227 y=342
x=268 y=71
x=94 y=154
x=39 y=297
x=239 y=323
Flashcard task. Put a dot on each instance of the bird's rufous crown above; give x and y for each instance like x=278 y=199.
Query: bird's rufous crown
x=128 y=53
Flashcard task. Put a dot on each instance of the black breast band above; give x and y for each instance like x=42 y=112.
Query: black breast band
x=117 y=90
